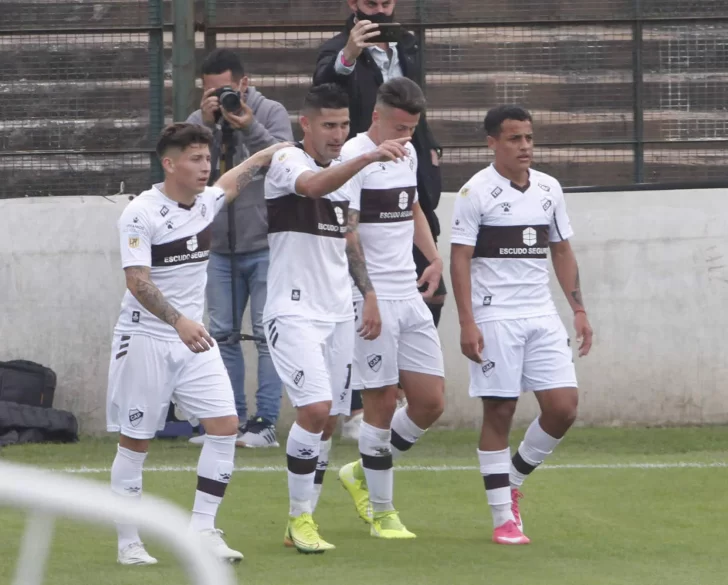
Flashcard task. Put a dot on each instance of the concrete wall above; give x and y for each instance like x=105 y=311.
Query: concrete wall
x=654 y=271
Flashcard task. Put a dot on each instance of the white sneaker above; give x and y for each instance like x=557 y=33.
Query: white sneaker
x=213 y=538
x=350 y=428
x=259 y=433
x=198 y=440
x=135 y=554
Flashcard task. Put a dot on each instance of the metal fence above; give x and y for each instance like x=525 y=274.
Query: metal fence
x=622 y=91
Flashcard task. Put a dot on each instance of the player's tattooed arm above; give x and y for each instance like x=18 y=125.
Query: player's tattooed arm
x=355 y=254
x=233 y=181
x=144 y=290
x=567 y=273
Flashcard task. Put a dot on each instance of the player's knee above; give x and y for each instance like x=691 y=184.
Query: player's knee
x=313 y=417
x=136 y=445
x=498 y=413
x=223 y=426
x=433 y=401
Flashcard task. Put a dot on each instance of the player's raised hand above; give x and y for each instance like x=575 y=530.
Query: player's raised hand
x=371 y=321
x=431 y=277
x=392 y=150
x=584 y=333
x=471 y=342
x=193 y=335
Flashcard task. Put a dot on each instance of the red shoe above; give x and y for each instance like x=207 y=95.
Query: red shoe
x=515 y=496
x=509 y=533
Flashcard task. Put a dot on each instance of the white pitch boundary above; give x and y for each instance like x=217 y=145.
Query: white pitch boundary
x=429 y=468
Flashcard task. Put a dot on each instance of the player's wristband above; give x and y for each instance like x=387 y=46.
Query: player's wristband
x=579 y=311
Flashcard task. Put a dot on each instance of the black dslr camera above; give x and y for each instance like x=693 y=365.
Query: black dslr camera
x=229 y=100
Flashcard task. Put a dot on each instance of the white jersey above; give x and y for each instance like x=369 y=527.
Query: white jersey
x=173 y=240
x=385 y=193
x=308 y=274
x=510 y=229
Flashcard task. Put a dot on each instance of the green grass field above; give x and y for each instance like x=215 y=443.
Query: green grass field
x=611 y=507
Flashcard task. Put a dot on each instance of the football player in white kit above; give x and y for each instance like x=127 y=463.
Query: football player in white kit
x=506 y=219
x=309 y=317
x=408 y=349
x=161 y=350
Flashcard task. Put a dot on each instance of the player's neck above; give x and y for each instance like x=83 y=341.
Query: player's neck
x=310 y=151
x=519 y=177
x=374 y=135
x=172 y=192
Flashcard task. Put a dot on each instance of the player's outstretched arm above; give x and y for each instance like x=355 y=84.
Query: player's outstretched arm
x=471 y=339
x=239 y=176
x=371 y=322
x=319 y=184
x=151 y=298
x=567 y=273
x=426 y=244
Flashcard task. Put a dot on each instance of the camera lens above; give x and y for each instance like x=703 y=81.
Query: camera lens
x=230 y=100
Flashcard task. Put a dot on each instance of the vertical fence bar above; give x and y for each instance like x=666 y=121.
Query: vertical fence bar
x=156 y=82
x=183 y=60
x=637 y=94
x=421 y=34
x=210 y=22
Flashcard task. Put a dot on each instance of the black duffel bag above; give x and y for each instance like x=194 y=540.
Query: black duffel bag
x=26 y=382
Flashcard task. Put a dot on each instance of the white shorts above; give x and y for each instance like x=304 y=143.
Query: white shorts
x=313 y=359
x=146 y=373
x=523 y=354
x=409 y=341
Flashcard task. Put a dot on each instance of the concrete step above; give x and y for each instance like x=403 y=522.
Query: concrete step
x=558 y=50
x=35 y=175
x=604 y=92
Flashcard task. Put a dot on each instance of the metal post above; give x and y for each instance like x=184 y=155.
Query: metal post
x=156 y=83
x=420 y=16
x=210 y=22
x=183 y=60
x=637 y=95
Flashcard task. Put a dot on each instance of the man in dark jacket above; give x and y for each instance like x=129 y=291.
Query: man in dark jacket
x=259 y=123
x=354 y=60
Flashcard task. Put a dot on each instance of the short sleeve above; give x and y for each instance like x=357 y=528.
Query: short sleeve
x=352 y=190
x=217 y=198
x=135 y=238
x=465 y=218
x=287 y=165
x=560 y=228
x=413 y=167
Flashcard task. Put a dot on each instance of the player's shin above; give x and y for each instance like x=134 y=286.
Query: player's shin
x=302 y=450
x=495 y=467
x=533 y=450
x=214 y=470
x=126 y=481
x=321 y=467
x=376 y=460
x=405 y=433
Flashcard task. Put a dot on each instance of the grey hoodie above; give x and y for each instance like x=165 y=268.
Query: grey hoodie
x=271 y=125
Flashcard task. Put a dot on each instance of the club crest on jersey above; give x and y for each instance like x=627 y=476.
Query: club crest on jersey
x=403 y=200
x=464 y=191
x=203 y=210
x=374 y=362
x=545 y=187
x=495 y=192
x=133 y=241
x=339 y=215
x=488 y=367
x=546 y=204
x=192 y=244
x=135 y=417
x=529 y=237
x=164 y=211
x=487 y=300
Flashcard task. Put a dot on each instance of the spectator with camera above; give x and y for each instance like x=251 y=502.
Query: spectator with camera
x=241 y=118
x=371 y=50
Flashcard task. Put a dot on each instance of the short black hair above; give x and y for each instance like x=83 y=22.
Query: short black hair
x=403 y=94
x=181 y=135
x=326 y=95
x=496 y=116
x=222 y=60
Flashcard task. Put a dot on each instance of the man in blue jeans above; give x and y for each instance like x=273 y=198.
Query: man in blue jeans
x=257 y=124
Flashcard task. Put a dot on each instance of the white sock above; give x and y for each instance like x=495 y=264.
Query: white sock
x=214 y=469
x=321 y=466
x=376 y=460
x=494 y=467
x=302 y=450
x=126 y=482
x=535 y=447
x=405 y=433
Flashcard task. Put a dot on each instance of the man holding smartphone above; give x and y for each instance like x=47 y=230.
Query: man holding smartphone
x=378 y=49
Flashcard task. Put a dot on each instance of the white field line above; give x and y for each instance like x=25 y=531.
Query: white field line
x=429 y=468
